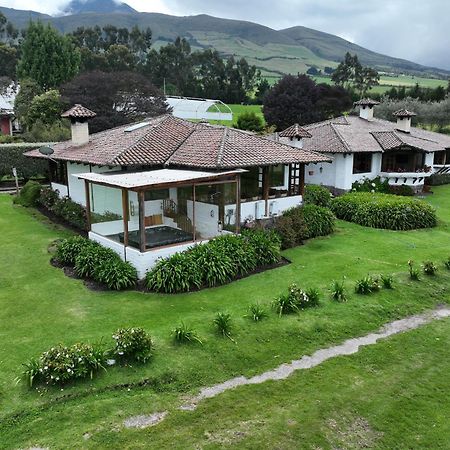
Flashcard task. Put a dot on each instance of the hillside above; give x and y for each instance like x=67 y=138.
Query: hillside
x=275 y=52
x=97 y=6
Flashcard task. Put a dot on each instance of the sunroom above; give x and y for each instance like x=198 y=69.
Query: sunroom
x=151 y=214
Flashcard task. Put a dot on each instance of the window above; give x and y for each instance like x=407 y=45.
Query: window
x=442 y=157
x=276 y=175
x=362 y=162
x=156 y=194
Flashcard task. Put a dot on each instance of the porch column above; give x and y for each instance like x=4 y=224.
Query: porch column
x=125 y=217
x=194 y=234
x=302 y=179
x=238 y=204
x=266 y=185
x=88 y=205
x=141 y=201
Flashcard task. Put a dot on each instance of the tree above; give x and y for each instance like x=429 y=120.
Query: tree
x=313 y=71
x=47 y=57
x=8 y=61
x=298 y=99
x=28 y=90
x=351 y=74
x=45 y=108
x=117 y=98
x=250 y=121
x=263 y=89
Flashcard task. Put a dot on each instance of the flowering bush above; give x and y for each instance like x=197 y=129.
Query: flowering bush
x=368 y=185
x=61 y=364
x=133 y=343
x=295 y=300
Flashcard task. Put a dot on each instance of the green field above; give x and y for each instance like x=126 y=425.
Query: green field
x=365 y=395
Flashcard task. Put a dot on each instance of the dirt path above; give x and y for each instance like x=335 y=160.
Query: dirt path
x=283 y=371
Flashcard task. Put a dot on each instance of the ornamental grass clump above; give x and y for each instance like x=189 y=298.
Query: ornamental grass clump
x=68 y=249
x=185 y=335
x=387 y=281
x=338 y=292
x=223 y=325
x=132 y=344
x=116 y=274
x=384 y=211
x=256 y=312
x=367 y=285
x=429 y=268
x=62 y=364
x=91 y=258
x=414 y=273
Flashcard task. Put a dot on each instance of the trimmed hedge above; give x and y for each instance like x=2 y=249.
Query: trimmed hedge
x=12 y=155
x=384 y=211
x=438 y=179
x=304 y=222
x=217 y=262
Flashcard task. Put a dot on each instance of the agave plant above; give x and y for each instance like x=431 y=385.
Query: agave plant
x=256 y=312
x=183 y=334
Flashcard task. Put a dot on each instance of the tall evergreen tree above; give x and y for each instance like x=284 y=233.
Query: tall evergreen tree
x=47 y=57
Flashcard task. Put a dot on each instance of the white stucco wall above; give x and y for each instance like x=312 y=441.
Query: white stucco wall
x=61 y=188
x=375 y=172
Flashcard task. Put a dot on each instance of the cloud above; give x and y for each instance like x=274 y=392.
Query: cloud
x=411 y=29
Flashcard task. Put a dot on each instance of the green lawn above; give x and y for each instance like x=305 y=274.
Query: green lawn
x=384 y=391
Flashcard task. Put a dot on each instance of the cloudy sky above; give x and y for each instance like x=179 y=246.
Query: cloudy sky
x=417 y=30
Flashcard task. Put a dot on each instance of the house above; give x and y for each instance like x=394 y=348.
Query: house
x=366 y=147
x=6 y=115
x=154 y=188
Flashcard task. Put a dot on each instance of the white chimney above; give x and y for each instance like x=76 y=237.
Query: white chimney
x=404 y=120
x=79 y=116
x=294 y=136
x=366 y=108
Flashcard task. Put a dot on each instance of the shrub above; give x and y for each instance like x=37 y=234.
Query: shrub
x=387 y=281
x=132 y=344
x=178 y=273
x=115 y=274
x=250 y=121
x=12 y=155
x=61 y=364
x=256 y=312
x=222 y=322
x=429 y=268
x=91 y=258
x=295 y=300
x=319 y=221
x=29 y=194
x=185 y=335
x=266 y=246
x=403 y=189
x=316 y=195
x=384 y=211
x=68 y=249
x=48 y=198
x=304 y=222
x=414 y=273
x=338 y=291
x=438 y=179
x=367 y=285
x=374 y=185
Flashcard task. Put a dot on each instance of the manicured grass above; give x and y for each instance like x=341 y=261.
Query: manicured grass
x=40 y=307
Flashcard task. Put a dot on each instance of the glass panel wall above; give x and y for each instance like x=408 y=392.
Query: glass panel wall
x=106 y=212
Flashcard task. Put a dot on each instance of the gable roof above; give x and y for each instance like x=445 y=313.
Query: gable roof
x=79 y=112
x=295 y=131
x=172 y=142
x=352 y=134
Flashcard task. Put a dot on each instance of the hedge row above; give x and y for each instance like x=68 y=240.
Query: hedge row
x=438 y=179
x=217 y=262
x=91 y=260
x=384 y=211
x=304 y=222
x=13 y=156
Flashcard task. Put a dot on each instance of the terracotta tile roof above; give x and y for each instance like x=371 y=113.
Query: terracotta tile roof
x=79 y=112
x=295 y=131
x=172 y=142
x=353 y=134
x=404 y=113
x=366 y=102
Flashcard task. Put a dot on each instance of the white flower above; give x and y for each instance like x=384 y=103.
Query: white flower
x=373 y=184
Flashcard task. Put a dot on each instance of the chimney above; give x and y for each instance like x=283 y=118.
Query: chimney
x=294 y=136
x=79 y=116
x=404 y=120
x=366 y=108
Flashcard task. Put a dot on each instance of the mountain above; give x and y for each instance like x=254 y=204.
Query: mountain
x=275 y=52
x=97 y=6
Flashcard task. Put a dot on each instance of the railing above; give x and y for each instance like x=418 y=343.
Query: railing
x=170 y=209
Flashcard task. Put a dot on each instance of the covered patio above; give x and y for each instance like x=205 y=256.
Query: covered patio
x=151 y=214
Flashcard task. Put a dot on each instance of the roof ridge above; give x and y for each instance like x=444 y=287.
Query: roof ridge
x=138 y=141
x=182 y=141
x=340 y=137
x=222 y=146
